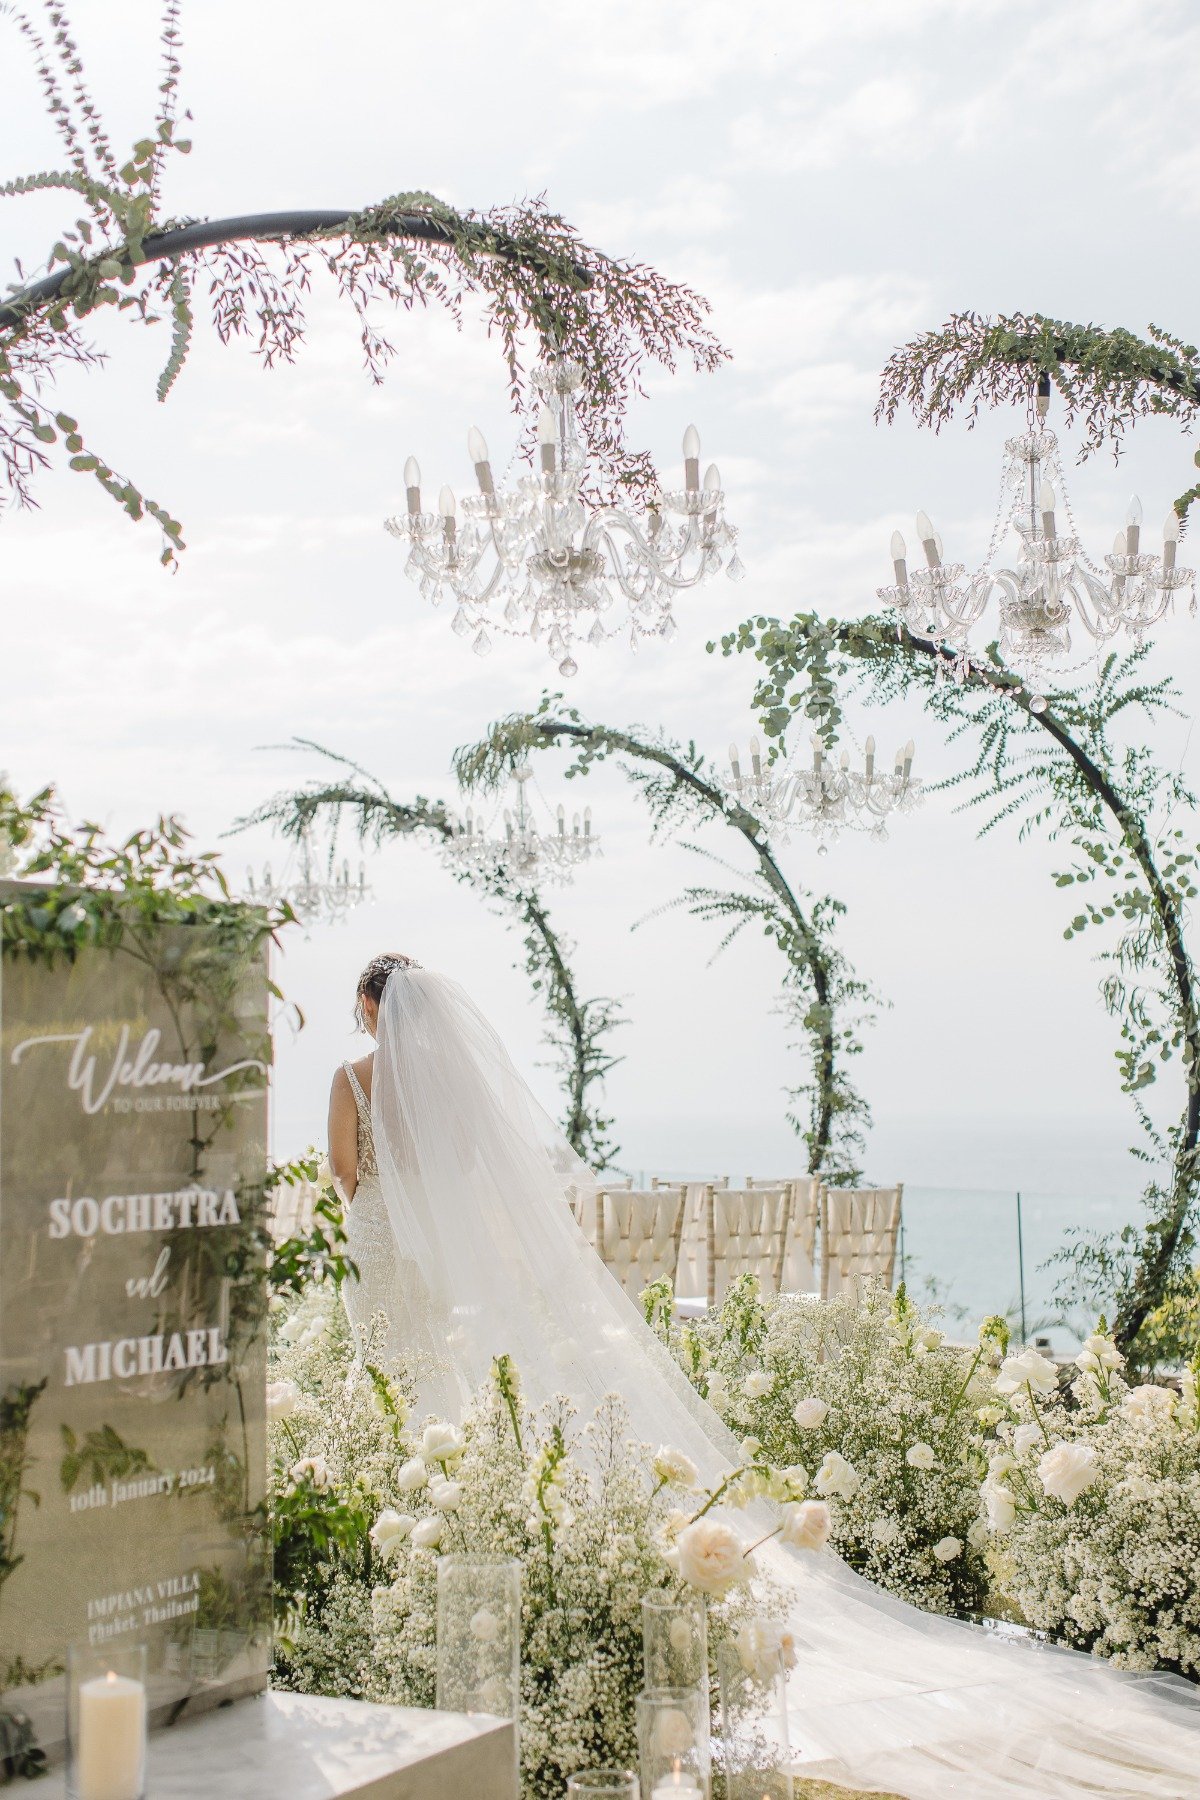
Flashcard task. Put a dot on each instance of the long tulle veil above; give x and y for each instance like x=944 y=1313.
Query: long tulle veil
x=476 y=1179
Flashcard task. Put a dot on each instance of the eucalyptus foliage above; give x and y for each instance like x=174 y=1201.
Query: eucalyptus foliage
x=539 y=286
x=820 y=998
x=1068 y=772
x=578 y=1029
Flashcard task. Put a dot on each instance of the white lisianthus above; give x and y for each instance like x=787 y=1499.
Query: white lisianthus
x=324 y=1173
x=1067 y=1471
x=1001 y=1507
x=977 y=1533
x=806 y=1526
x=1098 y=1353
x=390 y=1530
x=1000 y=1465
x=947 y=1549
x=292 y=1328
x=810 y=1413
x=717 y=1391
x=837 y=1477
x=1027 y=1368
x=930 y=1339
x=446 y=1495
x=282 y=1399
x=673 y=1469
x=757 y=1383
x=1026 y=1437
x=441 y=1442
x=920 y=1456
x=1149 y=1404
x=484 y=1626
x=763 y=1647
x=990 y=1415
x=311 y=1468
x=795 y=1481
x=712 y=1557
x=428 y=1534
x=412 y=1475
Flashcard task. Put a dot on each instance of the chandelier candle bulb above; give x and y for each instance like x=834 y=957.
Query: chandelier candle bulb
x=1170 y=540
x=870 y=759
x=909 y=751
x=447 y=507
x=691 y=460
x=755 y=756
x=1133 y=526
x=562 y=820
x=412 y=486
x=818 y=745
x=900 y=559
x=587 y=821
x=929 y=540
x=547 y=436
x=734 y=764
x=1047 y=502
x=478 y=451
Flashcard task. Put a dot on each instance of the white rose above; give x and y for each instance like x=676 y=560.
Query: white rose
x=1098 y=1353
x=837 y=1477
x=681 y=1634
x=674 y=1469
x=1000 y=1464
x=412 y=1475
x=990 y=1415
x=428 y=1534
x=807 y=1526
x=711 y=1556
x=795 y=1481
x=1067 y=1470
x=1025 y=1437
x=672 y=1734
x=757 y=1383
x=291 y=1328
x=977 y=1534
x=930 y=1339
x=920 y=1456
x=446 y=1495
x=1149 y=1403
x=947 y=1549
x=763 y=1646
x=390 y=1530
x=810 y=1413
x=311 y=1468
x=1001 y=1507
x=718 y=1392
x=494 y=1694
x=441 y=1442
x=1027 y=1367
x=484 y=1626
x=283 y=1397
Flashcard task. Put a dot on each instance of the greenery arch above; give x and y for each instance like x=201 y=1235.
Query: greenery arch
x=577 y=1029
x=819 y=992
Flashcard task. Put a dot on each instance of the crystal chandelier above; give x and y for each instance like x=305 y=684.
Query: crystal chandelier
x=830 y=797
x=521 y=850
x=310 y=897
x=1052 y=581
x=536 y=560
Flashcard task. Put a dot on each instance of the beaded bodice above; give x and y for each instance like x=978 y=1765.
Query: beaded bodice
x=367 y=1164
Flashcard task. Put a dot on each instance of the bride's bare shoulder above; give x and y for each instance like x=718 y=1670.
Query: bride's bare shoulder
x=362 y=1072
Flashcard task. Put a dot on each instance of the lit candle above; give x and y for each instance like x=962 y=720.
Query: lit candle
x=691 y=460
x=477 y=450
x=678 y=1785
x=1133 y=526
x=547 y=436
x=929 y=541
x=1047 y=504
x=900 y=559
x=111 y=1754
x=734 y=764
x=870 y=758
x=755 y=757
x=412 y=486
x=1170 y=540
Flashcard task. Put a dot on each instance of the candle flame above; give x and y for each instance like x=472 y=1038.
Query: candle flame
x=111 y=1676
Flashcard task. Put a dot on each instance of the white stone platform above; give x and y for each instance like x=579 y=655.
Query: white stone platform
x=305 y=1748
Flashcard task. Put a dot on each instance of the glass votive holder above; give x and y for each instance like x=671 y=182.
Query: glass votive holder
x=672 y=1729
x=603 y=1784
x=479 y=1636
x=754 y=1719
x=106 y=1721
x=674 y=1641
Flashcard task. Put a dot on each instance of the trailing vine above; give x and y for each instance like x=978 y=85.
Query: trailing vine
x=578 y=1029
x=540 y=287
x=1061 y=771
x=678 y=787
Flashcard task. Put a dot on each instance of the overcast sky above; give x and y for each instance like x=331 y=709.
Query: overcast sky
x=834 y=179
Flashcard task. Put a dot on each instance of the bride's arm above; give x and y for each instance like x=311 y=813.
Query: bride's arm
x=343 y=1137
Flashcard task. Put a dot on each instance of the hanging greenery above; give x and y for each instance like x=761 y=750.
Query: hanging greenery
x=820 y=998
x=539 y=286
x=1066 y=772
x=577 y=1030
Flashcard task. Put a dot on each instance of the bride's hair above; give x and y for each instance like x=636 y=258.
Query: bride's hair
x=374 y=979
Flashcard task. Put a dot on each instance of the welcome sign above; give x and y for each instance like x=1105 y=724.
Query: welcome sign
x=133 y=1112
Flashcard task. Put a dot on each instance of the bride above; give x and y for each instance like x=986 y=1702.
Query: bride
x=456 y=1186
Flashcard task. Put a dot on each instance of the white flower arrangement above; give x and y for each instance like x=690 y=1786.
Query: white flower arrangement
x=871 y=1411
x=1093 y=1505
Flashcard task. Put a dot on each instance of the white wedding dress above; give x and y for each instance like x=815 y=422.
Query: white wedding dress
x=466 y=1242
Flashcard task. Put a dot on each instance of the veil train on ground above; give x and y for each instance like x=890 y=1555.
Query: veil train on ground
x=475 y=1177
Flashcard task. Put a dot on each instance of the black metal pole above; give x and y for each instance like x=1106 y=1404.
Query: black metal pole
x=1021 y=1266
x=167 y=246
